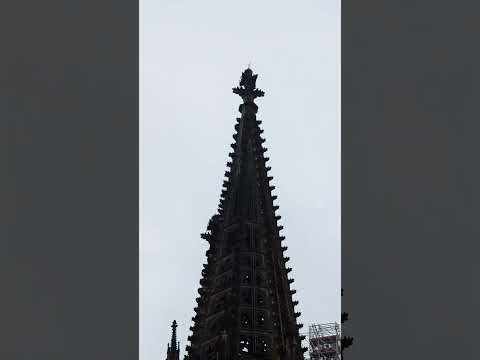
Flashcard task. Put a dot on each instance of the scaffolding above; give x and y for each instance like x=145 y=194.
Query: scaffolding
x=324 y=341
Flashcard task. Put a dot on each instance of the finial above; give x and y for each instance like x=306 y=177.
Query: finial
x=247 y=87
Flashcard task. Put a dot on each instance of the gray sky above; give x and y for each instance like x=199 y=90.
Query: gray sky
x=191 y=54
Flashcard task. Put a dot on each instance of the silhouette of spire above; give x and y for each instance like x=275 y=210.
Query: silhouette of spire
x=245 y=308
x=173 y=343
x=173 y=349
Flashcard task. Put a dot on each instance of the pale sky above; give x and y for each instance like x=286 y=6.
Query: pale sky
x=191 y=54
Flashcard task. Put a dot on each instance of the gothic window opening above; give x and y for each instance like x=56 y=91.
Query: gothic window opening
x=245 y=321
x=245 y=345
x=261 y=320
x=262 y=345
x=261 y=298
x=246 y=279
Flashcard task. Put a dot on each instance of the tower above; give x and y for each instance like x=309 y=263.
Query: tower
x=173 y=348
x=245 y=309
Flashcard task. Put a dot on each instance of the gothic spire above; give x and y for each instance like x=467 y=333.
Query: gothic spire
x=245 y=309
x=173 y=348
x=173 y=342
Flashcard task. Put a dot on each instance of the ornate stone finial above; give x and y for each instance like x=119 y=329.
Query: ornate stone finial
x=247 y=88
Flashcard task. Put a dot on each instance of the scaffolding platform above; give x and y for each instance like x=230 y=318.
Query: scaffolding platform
x=324 y=341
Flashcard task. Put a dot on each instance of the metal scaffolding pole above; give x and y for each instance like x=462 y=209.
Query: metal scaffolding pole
x=324 y=341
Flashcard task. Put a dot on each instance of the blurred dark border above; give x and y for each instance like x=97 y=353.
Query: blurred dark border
x=410 y=129
x=69 y=179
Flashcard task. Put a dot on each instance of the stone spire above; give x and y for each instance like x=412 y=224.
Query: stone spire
x=173 y=348
x=245 y=309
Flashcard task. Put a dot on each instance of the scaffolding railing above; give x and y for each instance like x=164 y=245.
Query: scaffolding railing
x=324 y=341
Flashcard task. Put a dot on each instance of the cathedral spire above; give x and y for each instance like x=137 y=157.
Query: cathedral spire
x=245 y=309
x=173 y=348
x=173 y=342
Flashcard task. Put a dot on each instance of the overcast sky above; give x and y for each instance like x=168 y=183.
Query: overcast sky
x=191 y=54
